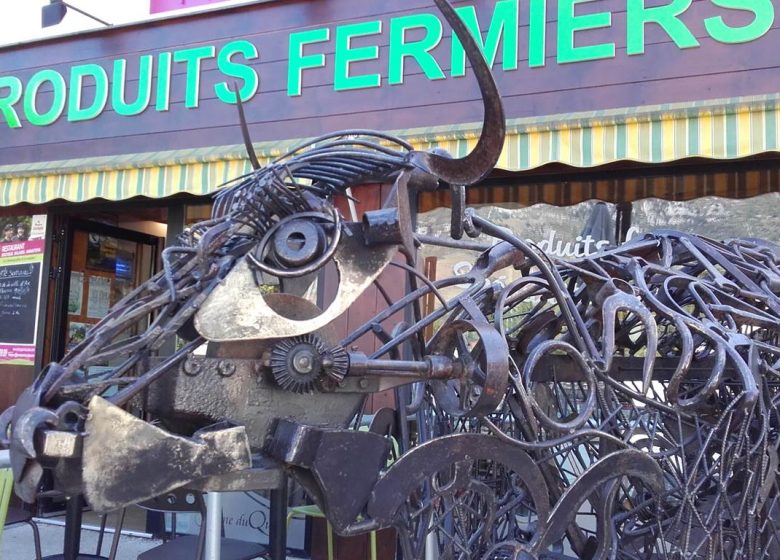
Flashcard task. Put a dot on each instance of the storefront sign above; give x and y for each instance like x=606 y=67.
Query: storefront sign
x=159 y=6
x=85 y=91
x=21 y=262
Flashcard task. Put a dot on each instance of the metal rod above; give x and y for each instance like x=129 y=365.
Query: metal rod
x=278 y=523
x=72 y=541
x=213 y=525
x=398 y=366
x=82 y=12
x=452 y=243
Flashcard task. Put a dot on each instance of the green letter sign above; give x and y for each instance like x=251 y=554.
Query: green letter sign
x=192 y=58
x=537 y=33
x=763 y=17
x=569 y=23
x=360 y=60
x=419 y=50
x=141 y=102
x=298 y=62
x=504 y=23
x=7 y=103
x=77 y=74
x=346 y=54
x=163 y=99
x=666 y=16
x=245 y=72
x=31 y=94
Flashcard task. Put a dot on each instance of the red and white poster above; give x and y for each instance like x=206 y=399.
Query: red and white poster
x=159 y=6
x=21 y=263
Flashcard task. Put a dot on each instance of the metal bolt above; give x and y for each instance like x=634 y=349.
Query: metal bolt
x=226 y=369
x=303 y=362
x=191 y=367
x=363 y=383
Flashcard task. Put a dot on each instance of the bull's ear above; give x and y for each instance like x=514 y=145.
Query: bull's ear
x=250 y=149
x=481 y=160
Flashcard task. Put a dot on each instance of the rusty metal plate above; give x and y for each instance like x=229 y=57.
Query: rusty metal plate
x=121 y=450
x=252 y=318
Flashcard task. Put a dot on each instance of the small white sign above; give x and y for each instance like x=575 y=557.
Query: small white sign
x=246 y=517
x=98 y=297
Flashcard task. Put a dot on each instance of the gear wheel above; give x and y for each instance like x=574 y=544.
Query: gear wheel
x=299 y=363
x=336 y=363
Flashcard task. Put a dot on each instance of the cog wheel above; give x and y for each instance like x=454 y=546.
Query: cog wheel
x=296 y=363
x=299 y=363
x=336 y=363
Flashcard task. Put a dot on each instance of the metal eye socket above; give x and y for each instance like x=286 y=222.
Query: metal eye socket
x=297 y=245
x=298 y=242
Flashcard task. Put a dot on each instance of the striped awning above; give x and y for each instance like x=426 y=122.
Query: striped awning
x=720 y=129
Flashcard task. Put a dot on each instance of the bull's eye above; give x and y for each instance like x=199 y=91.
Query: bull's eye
x=298 y=242
x=297 y=245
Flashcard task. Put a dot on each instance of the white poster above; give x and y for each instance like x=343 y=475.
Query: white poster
x=76 y=294
x=37 y=227
x=99 y=297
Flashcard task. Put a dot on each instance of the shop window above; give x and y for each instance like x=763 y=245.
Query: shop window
x=586 y=228
x=566 y=232
x=713 y=217
x=738 y=180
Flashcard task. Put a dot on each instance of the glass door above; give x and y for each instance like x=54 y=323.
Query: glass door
x=103 y=264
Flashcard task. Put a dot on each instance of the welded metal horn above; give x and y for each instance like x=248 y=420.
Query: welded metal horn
x=250 y=149
x=481 y=160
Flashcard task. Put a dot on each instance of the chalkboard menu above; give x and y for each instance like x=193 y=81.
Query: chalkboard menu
x=19 y=285
x=21 y=263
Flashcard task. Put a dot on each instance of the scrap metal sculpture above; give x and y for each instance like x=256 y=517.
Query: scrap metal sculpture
x=618 y=406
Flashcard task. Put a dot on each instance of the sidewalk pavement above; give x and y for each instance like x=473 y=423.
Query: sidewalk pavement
x=17 y=542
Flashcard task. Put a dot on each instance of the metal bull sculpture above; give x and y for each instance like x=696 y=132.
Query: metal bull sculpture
x=619 y=406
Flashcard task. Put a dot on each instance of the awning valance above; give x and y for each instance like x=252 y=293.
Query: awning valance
x=197 y=178
x=721 y=129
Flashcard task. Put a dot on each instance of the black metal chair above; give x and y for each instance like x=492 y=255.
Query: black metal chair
x=10 y=515
x=16 y=516
x=117 y=534
x=72 y=541
x=191 y=547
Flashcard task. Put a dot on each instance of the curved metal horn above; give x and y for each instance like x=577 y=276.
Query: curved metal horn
x=250 y=149
x=482 y=159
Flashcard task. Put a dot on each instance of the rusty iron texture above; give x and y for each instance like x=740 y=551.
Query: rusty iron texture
x=120 y=447
x=623 y=405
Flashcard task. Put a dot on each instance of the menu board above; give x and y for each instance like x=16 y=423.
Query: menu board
x=19 y=285
x=21 y=261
